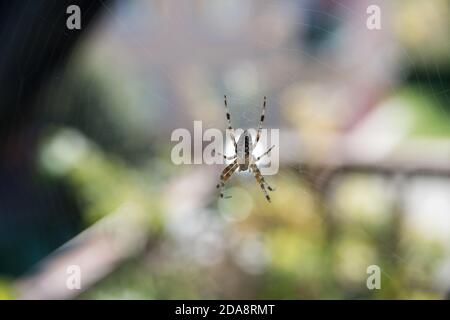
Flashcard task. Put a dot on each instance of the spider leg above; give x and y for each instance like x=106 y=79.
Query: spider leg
x=226 y=174
x=263 y=112
x=229 y=123
x=260 y=179
x=270 y=149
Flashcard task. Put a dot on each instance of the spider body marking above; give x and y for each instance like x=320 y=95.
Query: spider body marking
x=243 y=158
x=244 y=150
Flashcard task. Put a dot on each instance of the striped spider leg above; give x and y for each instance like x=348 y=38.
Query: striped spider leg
x=230 y=127
x=259 y=177
x=231 y=130
x=225 y=175
x=231 y=168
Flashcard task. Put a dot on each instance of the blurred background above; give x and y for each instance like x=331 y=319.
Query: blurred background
x=87 y=179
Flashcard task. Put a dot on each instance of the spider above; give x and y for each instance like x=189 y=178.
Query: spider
x=243 y=157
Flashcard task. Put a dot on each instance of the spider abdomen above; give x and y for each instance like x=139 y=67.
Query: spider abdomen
x=244 y=150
